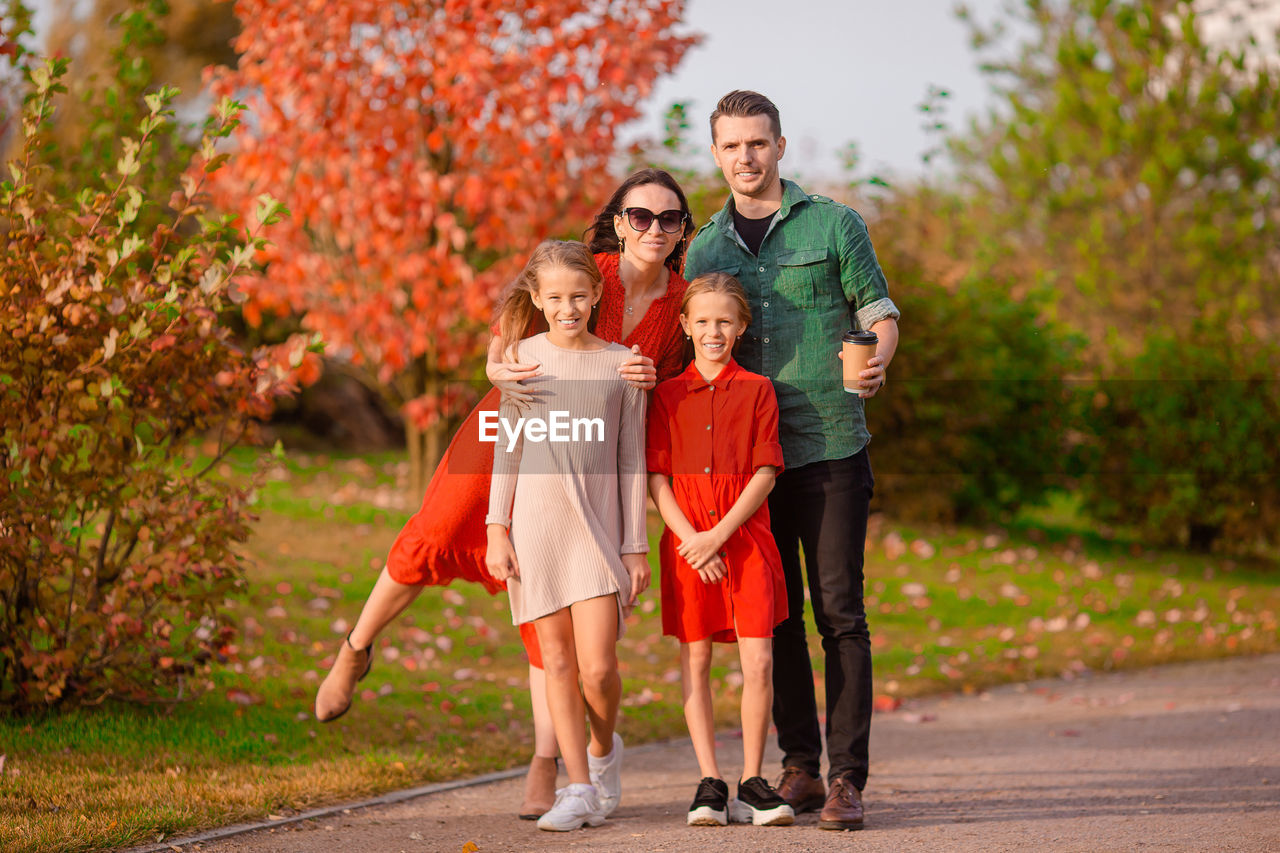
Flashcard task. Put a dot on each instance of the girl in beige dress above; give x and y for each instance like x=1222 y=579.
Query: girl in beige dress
x=566 y=523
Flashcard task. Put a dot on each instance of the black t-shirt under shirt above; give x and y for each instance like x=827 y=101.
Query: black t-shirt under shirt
x=751 y=231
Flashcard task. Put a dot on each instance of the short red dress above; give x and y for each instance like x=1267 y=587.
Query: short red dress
x=710 y=438
x=445 y=540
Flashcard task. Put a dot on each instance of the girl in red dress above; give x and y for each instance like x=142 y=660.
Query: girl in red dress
x=638 y=241
x=713 y=454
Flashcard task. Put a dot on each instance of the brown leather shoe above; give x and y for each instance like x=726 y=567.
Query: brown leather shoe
x=539 y=788
x=802 y=790
x=844 y=806
x=334 y=696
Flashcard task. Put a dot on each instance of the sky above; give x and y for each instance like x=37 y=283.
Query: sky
x=839 y=71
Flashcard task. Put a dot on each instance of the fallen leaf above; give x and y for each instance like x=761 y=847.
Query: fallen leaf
x=886 y=703
x=918 y=718
x=922 y=549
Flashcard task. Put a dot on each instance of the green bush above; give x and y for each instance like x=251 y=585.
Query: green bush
x=116 y=544
x=1183 y=446
x=974 y=419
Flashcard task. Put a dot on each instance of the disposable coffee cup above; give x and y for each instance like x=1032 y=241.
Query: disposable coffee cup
x=859 y=346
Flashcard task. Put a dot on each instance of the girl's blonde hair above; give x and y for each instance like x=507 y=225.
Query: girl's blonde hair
x=517 y=315
x=718 y=282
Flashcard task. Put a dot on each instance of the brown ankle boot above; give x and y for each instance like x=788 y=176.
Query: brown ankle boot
x=539 y=788
x=334 y=696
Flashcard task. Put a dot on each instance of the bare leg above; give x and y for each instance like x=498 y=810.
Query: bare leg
x=595 y=631
x=388 y=600
x=756 y=654
x=540 y=781
x=699 y=715
x=564 y=699
x=544 y=731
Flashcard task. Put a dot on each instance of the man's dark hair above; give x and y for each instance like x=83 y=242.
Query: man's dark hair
x=741 y=103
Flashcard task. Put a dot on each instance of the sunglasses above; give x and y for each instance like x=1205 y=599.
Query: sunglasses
x=670 y=221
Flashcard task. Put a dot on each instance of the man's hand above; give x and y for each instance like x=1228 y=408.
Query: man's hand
x=699 y=548
x=637 y=565
x=500 y=557
x=872 y=379
x=714 y=571
x=639 y=370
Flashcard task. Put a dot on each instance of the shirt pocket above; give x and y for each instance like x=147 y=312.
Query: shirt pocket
x=801 y=276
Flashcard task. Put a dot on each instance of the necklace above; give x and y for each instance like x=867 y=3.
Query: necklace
x=630 y=309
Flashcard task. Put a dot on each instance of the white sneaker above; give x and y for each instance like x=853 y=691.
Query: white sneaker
x=576 y=804
x=606 y=775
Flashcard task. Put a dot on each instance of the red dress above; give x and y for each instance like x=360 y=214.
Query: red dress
x=445 y=540
x=710 y=438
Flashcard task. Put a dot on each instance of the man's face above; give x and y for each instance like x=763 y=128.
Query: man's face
x=747 y=153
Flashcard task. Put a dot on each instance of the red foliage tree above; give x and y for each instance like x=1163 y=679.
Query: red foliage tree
x=423 y=147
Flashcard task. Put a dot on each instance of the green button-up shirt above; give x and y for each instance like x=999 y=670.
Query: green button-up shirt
x=816 y=275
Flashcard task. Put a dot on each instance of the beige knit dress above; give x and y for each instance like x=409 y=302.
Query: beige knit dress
x=572 y=490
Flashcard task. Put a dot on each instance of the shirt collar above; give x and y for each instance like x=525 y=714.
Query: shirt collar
x=697 y=382
x=792 y=195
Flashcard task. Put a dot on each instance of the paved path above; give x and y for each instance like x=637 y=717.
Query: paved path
x=1182 y=757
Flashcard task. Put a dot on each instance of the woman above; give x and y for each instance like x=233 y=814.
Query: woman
x=638 y=241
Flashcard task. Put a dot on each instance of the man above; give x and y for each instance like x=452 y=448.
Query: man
x=810 y=272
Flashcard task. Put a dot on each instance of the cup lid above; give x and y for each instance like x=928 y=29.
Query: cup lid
x=860 y=336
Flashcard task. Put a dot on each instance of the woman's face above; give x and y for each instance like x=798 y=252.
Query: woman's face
x=652 y=245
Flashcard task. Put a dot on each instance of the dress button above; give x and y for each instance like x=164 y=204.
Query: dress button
x=708 y=426
x=766 y=340
x=761 y=269
x=706 y=470
x=711 y=512
x=766 y=305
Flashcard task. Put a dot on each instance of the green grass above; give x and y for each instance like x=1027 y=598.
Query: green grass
x=950 y=610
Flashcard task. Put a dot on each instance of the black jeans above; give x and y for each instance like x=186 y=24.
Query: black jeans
x=823 y=508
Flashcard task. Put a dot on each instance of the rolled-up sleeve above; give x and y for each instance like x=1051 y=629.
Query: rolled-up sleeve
x=881 y=309
x=766 y=449
x=658 y=438
x=861 y=278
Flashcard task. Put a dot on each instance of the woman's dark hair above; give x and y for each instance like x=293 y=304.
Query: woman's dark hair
x=600 y=237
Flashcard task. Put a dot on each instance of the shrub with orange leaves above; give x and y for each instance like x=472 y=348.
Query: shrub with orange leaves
x=115 y=540
x=424 y=147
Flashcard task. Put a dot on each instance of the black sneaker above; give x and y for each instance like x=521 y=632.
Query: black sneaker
x=711 y=804
x=758 y=803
